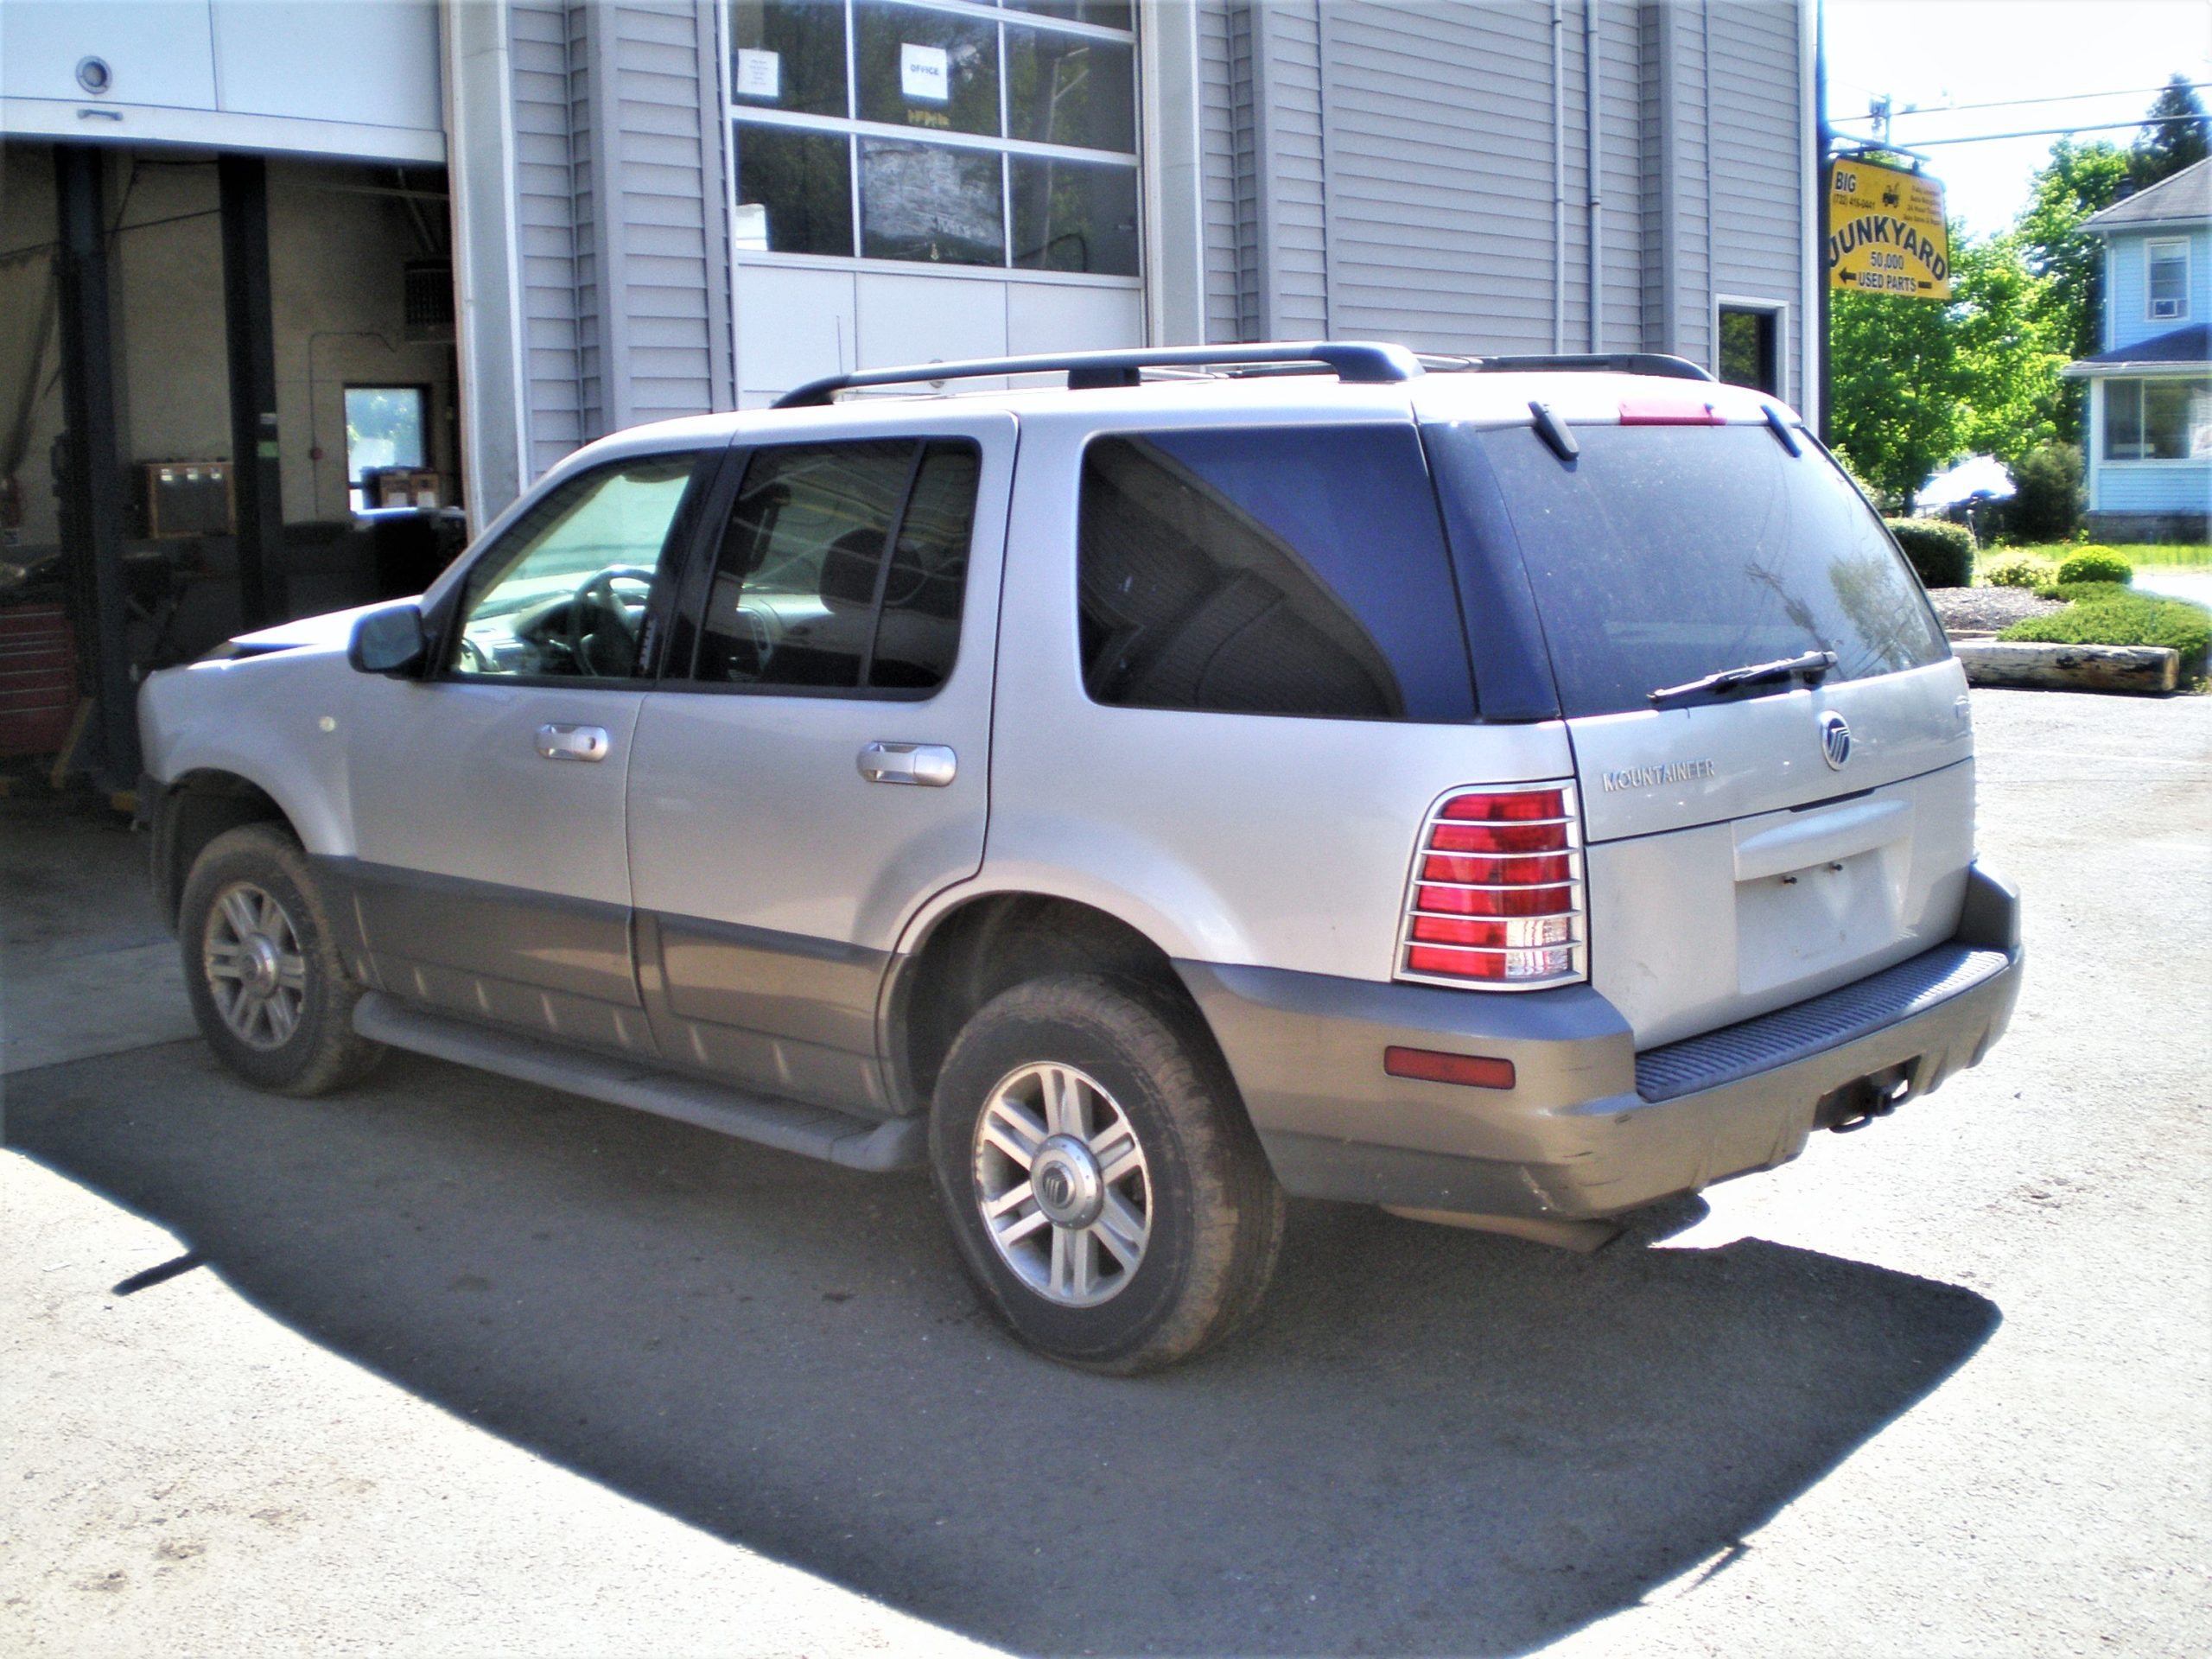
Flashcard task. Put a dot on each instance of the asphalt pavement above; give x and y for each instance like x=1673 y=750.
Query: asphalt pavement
x=447 y=1366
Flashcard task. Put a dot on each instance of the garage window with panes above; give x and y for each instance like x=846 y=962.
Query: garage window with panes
x=950 y=132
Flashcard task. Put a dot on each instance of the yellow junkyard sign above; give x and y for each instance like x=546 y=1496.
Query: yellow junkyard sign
x=1887 y=233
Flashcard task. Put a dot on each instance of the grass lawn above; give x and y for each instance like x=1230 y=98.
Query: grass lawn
x=2136 y=553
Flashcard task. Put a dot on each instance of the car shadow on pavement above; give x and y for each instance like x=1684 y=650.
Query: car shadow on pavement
x=1433 y=1441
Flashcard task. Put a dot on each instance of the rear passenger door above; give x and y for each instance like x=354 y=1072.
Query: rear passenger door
x=816 y=762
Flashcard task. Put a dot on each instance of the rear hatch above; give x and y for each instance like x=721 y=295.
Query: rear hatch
x=1748 y=845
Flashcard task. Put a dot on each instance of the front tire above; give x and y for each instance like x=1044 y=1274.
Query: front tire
x=1100 y=1177
x=262 y=968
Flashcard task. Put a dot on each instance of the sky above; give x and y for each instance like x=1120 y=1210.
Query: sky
x=1940 y=52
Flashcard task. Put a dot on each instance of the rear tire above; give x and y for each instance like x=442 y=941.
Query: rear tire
x=262 y=966
x=1100 y=1177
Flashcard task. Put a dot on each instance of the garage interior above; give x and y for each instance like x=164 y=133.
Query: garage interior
x=228 y=397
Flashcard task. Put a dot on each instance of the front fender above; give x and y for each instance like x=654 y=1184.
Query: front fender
x=278 y=721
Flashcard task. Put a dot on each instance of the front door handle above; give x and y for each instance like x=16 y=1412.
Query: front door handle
x=572 y=742
x=930 y=765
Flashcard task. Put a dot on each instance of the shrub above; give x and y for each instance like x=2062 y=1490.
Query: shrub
x=1942 y=554
x=2096 y=564
x=2046 y=493
x=2019 y=571
x=2082 y=592
x=2112 y=616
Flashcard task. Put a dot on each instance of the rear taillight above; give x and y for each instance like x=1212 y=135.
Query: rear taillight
x=1495 y=900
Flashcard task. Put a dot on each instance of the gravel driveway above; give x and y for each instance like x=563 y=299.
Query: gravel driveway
x=452 y=1366
x=1986 y=610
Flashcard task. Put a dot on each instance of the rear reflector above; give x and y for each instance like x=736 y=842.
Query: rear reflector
x=1495 y=899
x=1475 y=1071
x=1669 y=411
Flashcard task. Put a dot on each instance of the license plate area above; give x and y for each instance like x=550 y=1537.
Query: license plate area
x=1795 y=924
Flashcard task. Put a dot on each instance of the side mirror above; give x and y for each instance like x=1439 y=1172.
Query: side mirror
x=390 y=641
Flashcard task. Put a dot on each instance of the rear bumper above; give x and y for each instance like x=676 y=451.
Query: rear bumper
x=1591 y=1127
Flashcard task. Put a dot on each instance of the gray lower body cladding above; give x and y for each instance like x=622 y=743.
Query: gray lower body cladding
x=1590 y=1128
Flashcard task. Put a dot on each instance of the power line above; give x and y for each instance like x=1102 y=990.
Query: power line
x=2010 y=102
x=2042 y=132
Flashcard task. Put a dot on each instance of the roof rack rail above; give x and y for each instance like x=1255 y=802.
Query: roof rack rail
x=1360 y=362
x=1657 y=363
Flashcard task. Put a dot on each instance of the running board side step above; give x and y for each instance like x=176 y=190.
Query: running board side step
x=787 y=1125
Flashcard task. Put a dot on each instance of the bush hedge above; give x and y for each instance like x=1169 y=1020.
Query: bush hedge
x=1942 y=554
x=2112 y=616
x=2019 y=571
x=2046 y=493
x=2096 y=564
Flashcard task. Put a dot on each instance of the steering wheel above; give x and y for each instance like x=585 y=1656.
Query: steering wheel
x=598 y=602
x=474 y=659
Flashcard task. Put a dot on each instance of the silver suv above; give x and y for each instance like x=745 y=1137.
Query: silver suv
x=1509 y=792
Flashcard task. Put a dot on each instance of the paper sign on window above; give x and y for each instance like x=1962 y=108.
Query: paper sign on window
x=760 y=74
x=925 y=74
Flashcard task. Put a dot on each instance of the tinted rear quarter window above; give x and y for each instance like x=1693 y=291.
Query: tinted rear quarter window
x=1660 y=555
x=801 y=595
x=1290 y=570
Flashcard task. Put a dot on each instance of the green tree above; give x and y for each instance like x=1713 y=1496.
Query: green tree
x=2177 y=134
x=2078 y=180
x=1918 y=383
x=1901 y=385
x=2015 y=397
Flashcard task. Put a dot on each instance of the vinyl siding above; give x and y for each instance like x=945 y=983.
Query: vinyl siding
x=545 y=211
x=1219 y=104
x=585 y=163
x=664 y=238
x=1759 y=167
x=2154 y=486
x=2126 y=310
x=1287 y=95
x=1440 y=204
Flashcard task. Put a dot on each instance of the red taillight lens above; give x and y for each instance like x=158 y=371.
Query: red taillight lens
x=1494 y=872
x=1495 y=901
x=1497 y=892
x=1506 y=808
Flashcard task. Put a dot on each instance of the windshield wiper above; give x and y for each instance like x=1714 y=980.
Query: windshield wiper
x=1814 y=665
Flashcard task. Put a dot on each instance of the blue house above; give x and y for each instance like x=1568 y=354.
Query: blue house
x=2150 y=421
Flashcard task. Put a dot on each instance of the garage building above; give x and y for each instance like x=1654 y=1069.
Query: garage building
x=286 y=289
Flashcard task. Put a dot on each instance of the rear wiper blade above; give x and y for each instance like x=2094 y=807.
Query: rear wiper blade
x=1814 y=665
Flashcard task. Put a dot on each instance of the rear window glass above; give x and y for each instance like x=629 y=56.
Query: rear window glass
x=1661 y=554
x=1279 y=571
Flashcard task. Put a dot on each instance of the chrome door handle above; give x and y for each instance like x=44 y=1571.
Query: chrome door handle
x=930 y=765
x=572 y=742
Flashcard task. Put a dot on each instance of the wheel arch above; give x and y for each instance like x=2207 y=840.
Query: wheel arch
x=968 y=951
x=194 y=809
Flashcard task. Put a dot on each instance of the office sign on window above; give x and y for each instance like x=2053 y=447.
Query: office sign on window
x=925 y=73
x=1887 y=233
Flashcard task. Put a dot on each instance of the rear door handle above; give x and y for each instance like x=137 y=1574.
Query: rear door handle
x=572 y=742
x=929 y=765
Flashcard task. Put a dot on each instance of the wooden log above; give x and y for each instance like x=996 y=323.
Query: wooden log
x=2148 y=669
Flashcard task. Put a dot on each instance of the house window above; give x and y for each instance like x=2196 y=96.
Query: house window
x=937 y=133
x=2168 y=419
x=385 y=428
x=2167 y=263
x=1750 y=348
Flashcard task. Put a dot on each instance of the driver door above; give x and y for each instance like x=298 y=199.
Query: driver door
x=492 y=874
